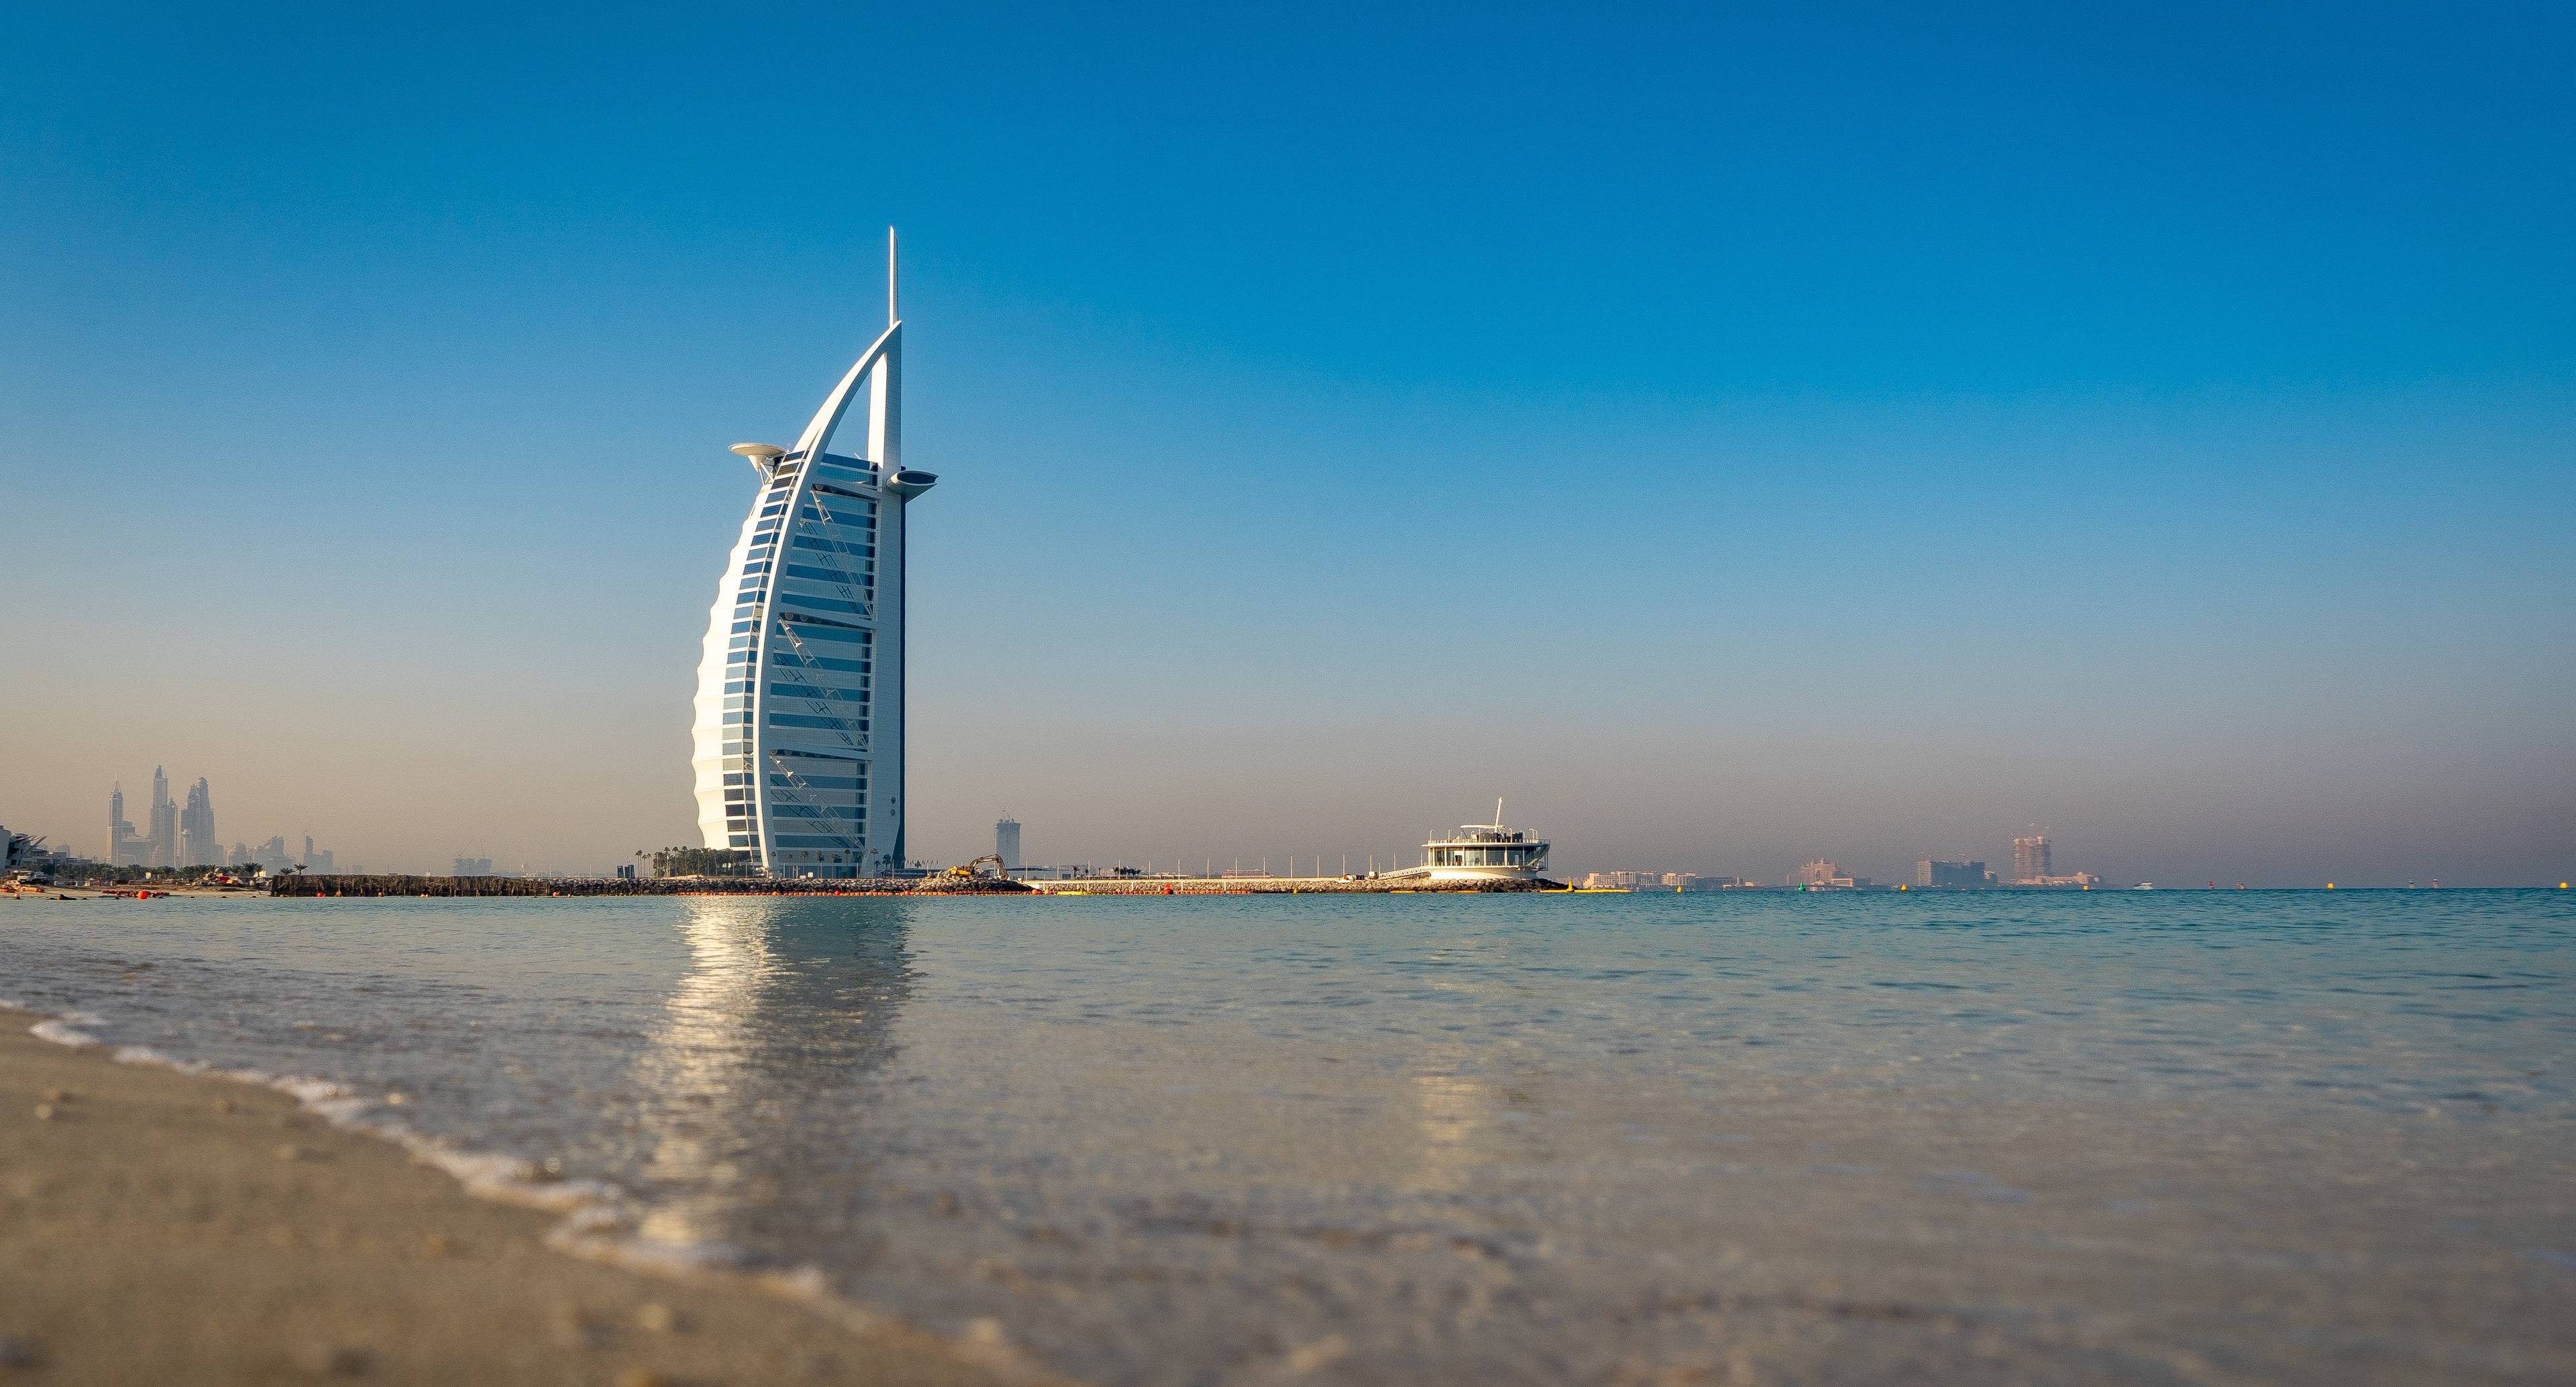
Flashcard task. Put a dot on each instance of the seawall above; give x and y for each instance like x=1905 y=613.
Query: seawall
x=1279 y=886
x=298 y=884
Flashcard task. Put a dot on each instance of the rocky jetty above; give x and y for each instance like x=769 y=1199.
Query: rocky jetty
x=299 y=884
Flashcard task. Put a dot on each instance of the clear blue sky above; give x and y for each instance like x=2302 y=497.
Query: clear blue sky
x=1737 y=436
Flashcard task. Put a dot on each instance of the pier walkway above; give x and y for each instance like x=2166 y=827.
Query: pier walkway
x=1400 y=883
x=299 y=884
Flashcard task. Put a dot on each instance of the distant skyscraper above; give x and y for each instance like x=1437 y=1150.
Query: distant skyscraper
x=474 y=866
x=1006 y=841
x=124 y=849
x=164 y=831
x=197 y=842
x=2030 y=857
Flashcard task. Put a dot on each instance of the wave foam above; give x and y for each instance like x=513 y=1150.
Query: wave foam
x=65 y=1029
x=597 y=1218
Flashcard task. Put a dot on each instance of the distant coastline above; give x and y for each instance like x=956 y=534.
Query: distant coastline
x=936 y=884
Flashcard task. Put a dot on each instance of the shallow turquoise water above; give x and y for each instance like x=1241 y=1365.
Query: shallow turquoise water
x=2067 y=1137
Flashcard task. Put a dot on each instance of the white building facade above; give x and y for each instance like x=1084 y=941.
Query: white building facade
x=799 y=736
x=1484 y=852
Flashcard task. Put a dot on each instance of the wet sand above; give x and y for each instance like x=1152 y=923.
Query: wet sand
x=163 y=1227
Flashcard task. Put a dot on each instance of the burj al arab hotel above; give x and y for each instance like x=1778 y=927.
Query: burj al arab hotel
x=799 y=735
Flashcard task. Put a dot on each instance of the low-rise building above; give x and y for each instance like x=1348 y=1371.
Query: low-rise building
x=1654 y=881
x=1071 y=871
x=1930 y=875
x=1822 y=875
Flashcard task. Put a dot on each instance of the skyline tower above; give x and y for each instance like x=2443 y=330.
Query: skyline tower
x=164 y=834
x=124 y=849
x=1006 y=842
x=798 y=745
x=199 y=847
x=2030 y=857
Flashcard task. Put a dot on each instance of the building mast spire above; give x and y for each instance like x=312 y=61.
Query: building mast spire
x=837 y=744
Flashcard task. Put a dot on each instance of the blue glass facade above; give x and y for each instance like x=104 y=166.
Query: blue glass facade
x=799 y=739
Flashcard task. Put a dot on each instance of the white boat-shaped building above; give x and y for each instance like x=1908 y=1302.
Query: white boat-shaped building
x=1485 y=852
x=799 y=736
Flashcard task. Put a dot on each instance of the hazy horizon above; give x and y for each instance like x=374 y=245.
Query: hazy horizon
x=1732 y=440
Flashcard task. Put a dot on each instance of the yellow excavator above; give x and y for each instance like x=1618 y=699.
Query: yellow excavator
x=968 y=872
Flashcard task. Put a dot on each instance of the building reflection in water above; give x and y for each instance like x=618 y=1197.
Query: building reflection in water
x=1455 y=1119
x=756 y=1091
x=1466 y=1123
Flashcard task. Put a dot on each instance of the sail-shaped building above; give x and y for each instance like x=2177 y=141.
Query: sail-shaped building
x=800 y=713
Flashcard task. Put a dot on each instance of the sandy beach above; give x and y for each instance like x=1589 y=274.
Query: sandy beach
x=162 y=1227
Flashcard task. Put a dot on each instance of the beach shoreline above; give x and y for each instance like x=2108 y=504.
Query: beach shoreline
x=162 y=1225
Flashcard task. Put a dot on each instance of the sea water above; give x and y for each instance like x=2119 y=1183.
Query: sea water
x=1754 y=1137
